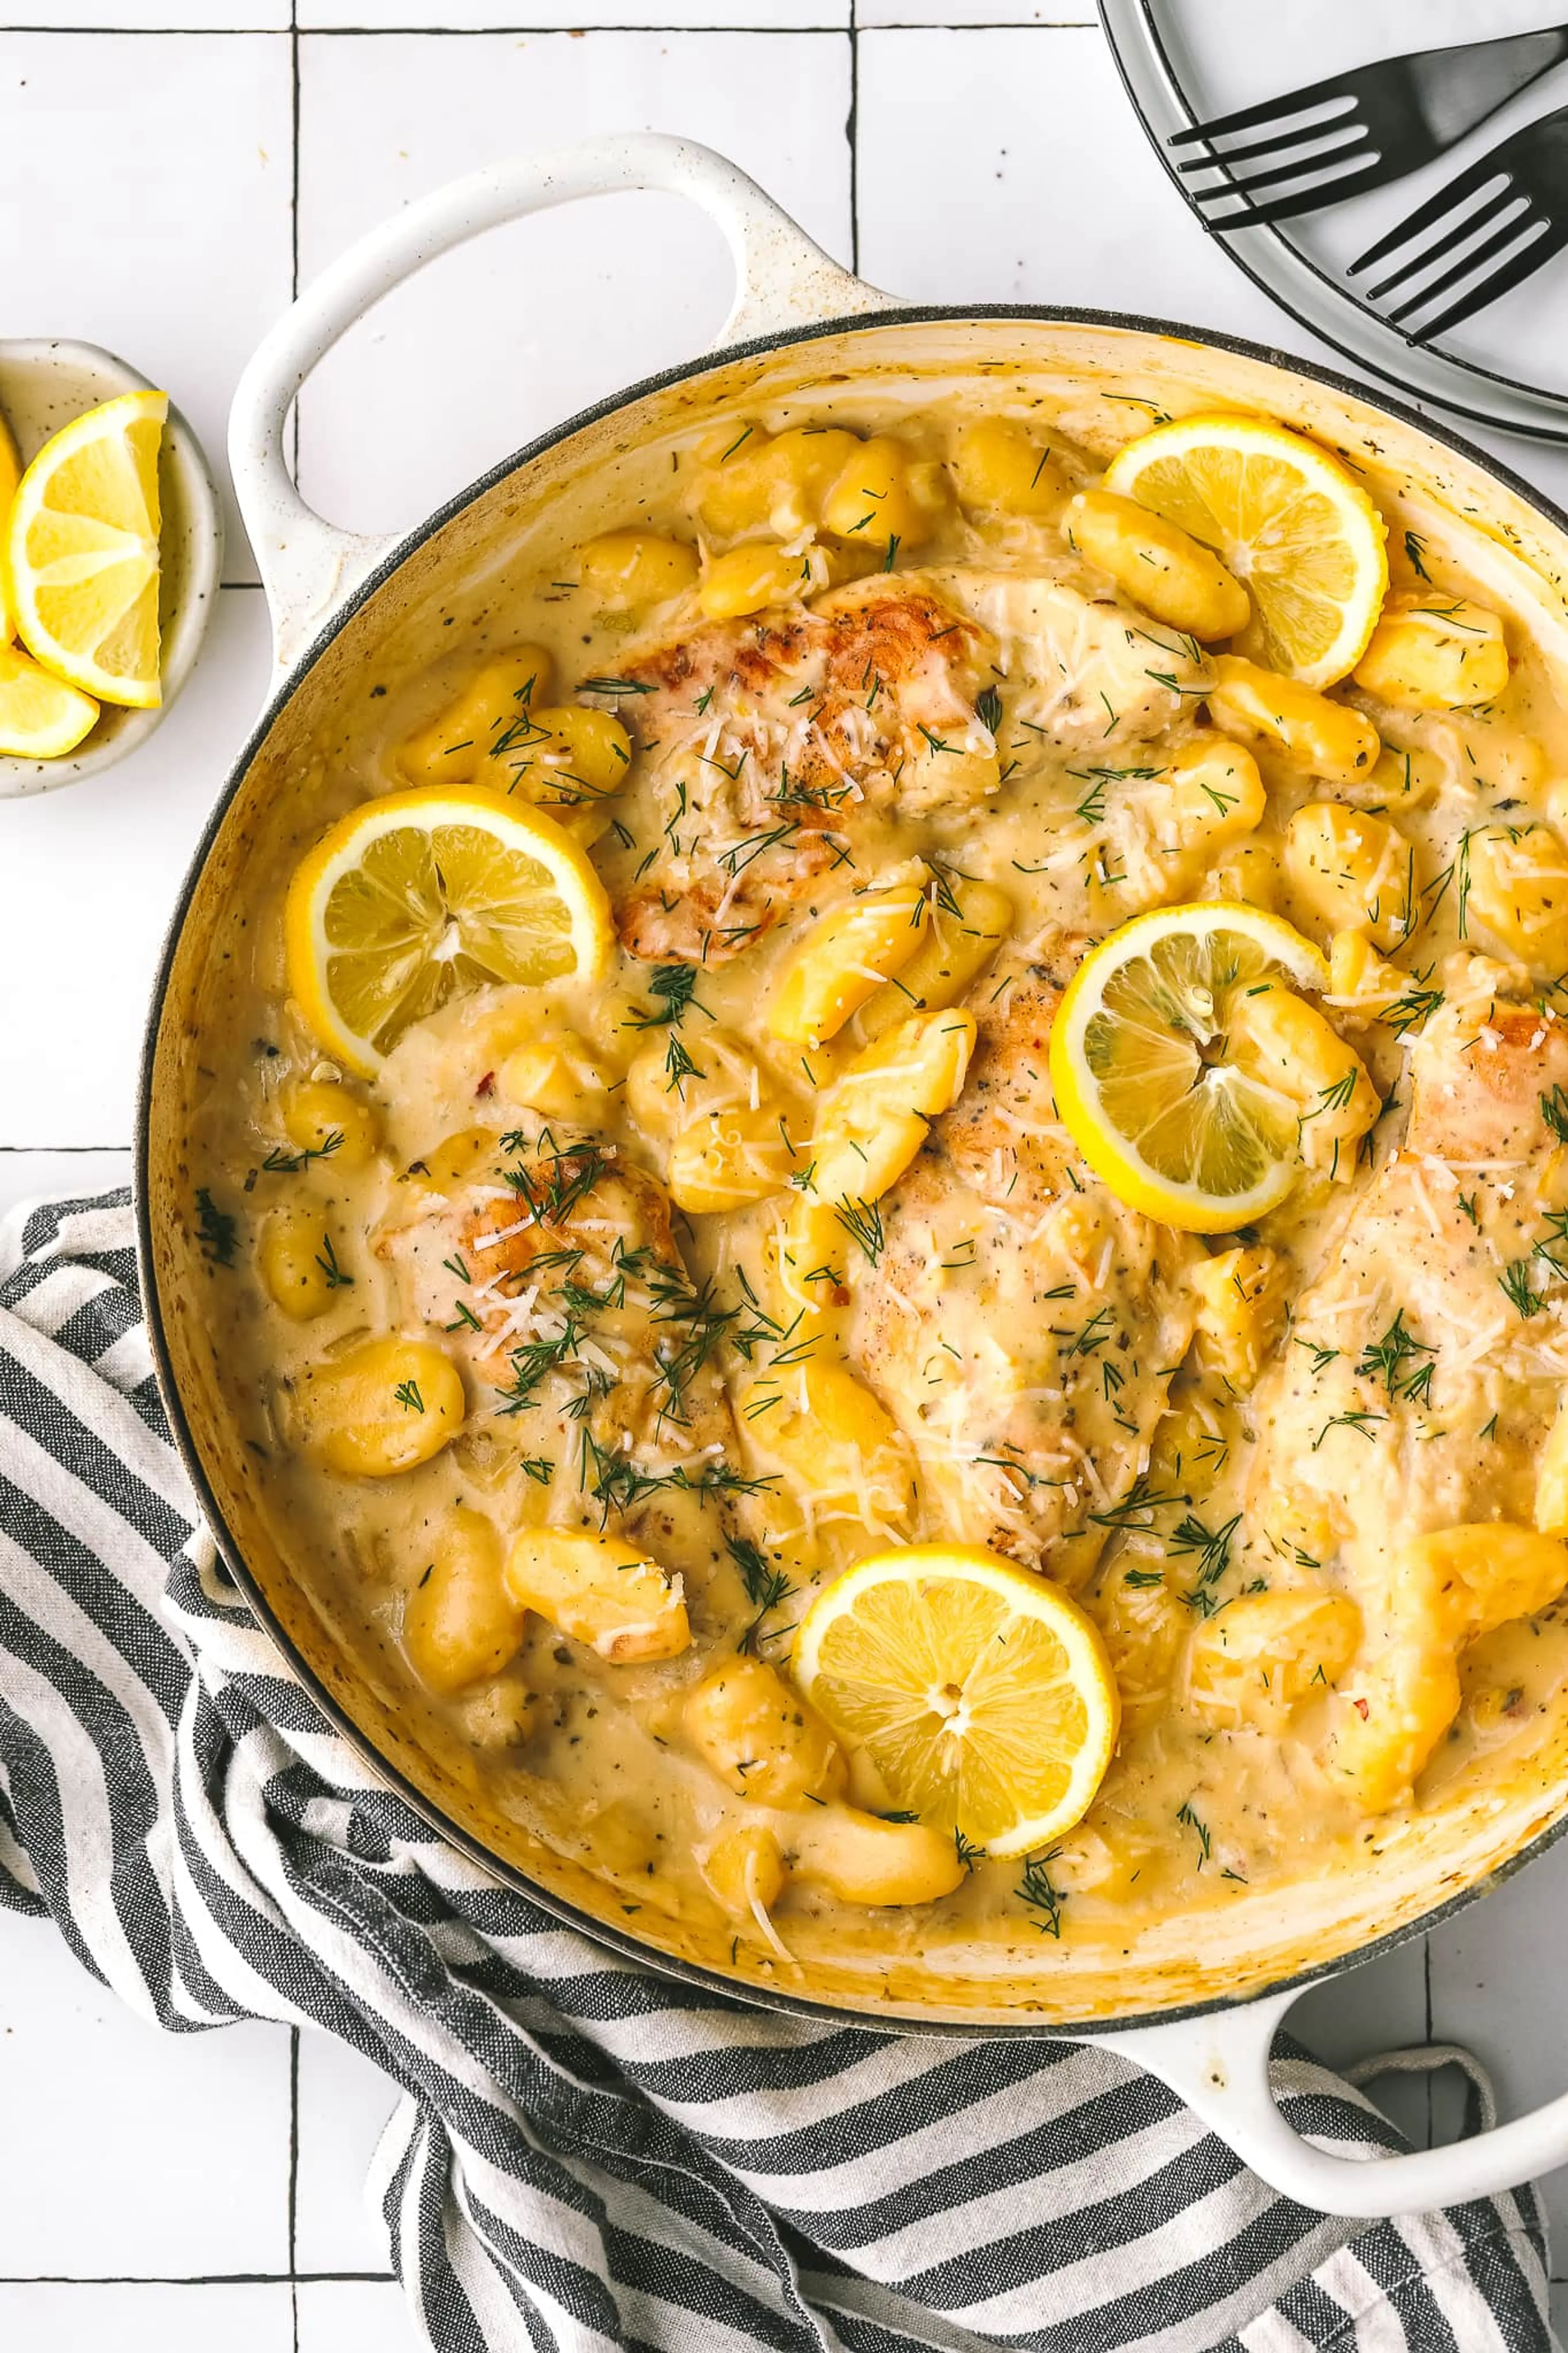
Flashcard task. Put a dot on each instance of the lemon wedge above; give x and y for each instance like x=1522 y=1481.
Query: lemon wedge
x=1288 y=520
x=10 y=475
x=81 y=551
x=41 y=718
x=418 y=898
x=1143 y=1073
x=980 y=1692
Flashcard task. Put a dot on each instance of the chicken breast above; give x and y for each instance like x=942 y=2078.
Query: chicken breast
x=1083 y=669
x=773 y=748
x=1020 y=1323
x=551 y=1264
x=1424 y=1363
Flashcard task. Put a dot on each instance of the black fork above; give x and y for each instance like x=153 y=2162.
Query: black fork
x=1514 y=200
x=1368 y=127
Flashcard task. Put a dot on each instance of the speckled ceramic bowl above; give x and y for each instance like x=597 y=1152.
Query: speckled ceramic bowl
x=43 y=385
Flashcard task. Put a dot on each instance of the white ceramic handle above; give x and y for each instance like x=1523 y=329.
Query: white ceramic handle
x=1220 y=2064
x=307 y=565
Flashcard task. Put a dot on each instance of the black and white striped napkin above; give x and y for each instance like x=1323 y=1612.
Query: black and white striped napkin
x=587 y=2156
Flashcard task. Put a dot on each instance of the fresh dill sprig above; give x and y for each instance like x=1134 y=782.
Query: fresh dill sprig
x=1200 y=1829
x=1391 y=1361
x=862 y=1221
x=408 y=1397
x=1554 y=1111
x=674 y=985
x=327 y=1259
x=282 y=1162
x=1039 y=1892
x=1518 y=1288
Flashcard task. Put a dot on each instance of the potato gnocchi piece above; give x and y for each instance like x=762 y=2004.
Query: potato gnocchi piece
x=1157 y=566
x=663 y=1094
x=864 y=1859
x=743 y=1870
x=765 y=1741
x=752 y=483
x=383 y=1406
x=1317 y=735
x=1431 y=652
x=873 y=1120
x=1000 y=468
x=1363 y=987
x=724 y=1159
x=839 y=1443
x=883 y=493
x=561 y=757
x=1250 y=1666
x=558 y=1077
x=599 y=1591
x=1351 y=871
x=1284 y=1043
x=298 y=1264
x=966 y=923
x=327 y=1121
x=1517 y=880
x=1444 y=1590
x=760 y=572
x=630 y=570
x=844 y=958
x=460 y=1624
x=1209 y=795
x=499 y=697
x=805 y=1265
x=1242 y=1296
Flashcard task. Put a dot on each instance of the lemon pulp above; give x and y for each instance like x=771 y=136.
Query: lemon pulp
x=981 y=1691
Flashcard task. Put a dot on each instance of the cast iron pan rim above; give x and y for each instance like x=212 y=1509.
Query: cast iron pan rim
x=619 y=1940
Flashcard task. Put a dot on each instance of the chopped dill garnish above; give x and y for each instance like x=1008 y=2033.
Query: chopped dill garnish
x=1356 y=1421
x=614 y=686
x=988 y=708
x=1518 y=1288
x=1391 y=1360
x=1191 y=1821
x=1554 y=1111
x=408 y=1397
x=674 y=985
x=539 y=1468
x=968 y=1854
x=216 y=1231
x=1415 y=550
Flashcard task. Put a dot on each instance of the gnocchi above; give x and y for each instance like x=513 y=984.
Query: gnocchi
x=1158 y=565
x=1317 y=735
x=1431 y=652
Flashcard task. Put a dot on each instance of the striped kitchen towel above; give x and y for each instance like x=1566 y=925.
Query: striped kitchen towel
x=587 y=2156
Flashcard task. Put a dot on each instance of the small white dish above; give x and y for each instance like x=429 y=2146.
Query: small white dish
x=45 y=383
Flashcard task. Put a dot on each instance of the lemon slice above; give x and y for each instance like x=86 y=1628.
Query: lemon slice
x=418 y=898
x=81 y=551
x=982 y=1694
x=1142 y=1073
x=41 y=717
x=1287 y=518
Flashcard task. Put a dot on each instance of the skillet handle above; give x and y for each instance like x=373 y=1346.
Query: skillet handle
x=1219 y=2065
x=309 y=567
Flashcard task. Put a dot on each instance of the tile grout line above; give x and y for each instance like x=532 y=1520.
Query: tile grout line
x=294 y=2182
x=851 y=130
x=294 y=201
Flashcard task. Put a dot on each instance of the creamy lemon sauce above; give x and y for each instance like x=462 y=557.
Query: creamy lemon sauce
x=1222 y=1446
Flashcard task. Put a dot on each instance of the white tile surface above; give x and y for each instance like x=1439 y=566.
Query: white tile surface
x=354 y=2317
x=87 y=879
x=497 y=342
x=190 y=2317
x=179 y=268
x=344 y=2102
x=1009 y=197
x=992 y=164
x=127 y=2153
